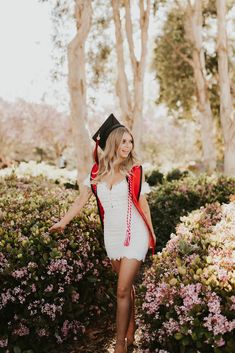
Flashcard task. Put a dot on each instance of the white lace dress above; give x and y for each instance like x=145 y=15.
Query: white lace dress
x=115 y=203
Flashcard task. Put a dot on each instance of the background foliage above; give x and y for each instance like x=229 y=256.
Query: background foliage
x=173 y=199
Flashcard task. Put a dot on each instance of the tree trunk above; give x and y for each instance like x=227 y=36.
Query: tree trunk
x=193 y=29
x=122 y=88
x=226 y=110
x=77 y=87
x=132 y=107
x=138 y=66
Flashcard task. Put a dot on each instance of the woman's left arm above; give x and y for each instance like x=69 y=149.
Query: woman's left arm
x=145 y=208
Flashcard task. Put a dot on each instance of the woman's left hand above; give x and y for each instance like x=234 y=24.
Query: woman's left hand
x=155 y=239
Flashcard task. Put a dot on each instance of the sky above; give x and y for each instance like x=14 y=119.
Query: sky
x=26 y=48
x=25 y=39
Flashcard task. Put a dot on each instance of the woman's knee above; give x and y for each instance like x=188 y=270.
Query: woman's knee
x=123 y=292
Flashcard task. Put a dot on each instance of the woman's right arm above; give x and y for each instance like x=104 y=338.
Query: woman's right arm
x=74 y=210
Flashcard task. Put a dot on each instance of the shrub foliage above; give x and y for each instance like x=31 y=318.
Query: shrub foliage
x=52 y=285
x=171 y=200
x=188 y=295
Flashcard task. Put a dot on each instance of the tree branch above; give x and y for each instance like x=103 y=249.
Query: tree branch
x=122 y=84
x=179 y=52
x=129 y=34
x=144 y=24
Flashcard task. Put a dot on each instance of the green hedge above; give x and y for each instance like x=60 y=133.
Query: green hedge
x=171 y=200
x=155 y=177
x=52 y=285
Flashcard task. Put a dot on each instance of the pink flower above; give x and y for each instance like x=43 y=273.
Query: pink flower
x=60 y=266
x=171 y=326
x=33 y=288
x=49 y=288
x=218 y=324
x=3 y=342
x=3 y=262
x=75 y=297
x=232 y=307
x=32 y=265
x=21 y=330
x=42 y=332
x=213 y=303
x=20 y=273
x=156 y=296
x=190 y=294
x=220 y=342
x=51 y=310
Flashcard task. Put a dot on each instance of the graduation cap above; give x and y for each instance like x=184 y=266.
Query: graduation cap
x=101 y=135
x=105 y=129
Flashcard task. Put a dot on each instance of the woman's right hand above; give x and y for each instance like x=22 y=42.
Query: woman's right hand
x=58 y=227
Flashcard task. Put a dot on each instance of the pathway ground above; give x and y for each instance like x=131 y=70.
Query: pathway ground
x=102 y=340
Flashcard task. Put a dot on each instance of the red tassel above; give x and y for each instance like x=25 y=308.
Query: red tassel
x=95 y=152
x=129 y=215
x=127 y=240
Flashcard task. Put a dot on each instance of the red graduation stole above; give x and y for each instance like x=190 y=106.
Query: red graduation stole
x=134 y=185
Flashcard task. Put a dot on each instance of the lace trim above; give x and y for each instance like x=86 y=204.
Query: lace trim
x=127 y=257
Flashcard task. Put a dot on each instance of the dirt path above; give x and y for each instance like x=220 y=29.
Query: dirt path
x=102 y=340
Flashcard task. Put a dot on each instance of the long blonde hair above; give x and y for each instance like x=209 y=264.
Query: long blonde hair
x=109 y=157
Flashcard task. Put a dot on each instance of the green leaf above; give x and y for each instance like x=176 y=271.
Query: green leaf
x=45 y=256
x=92 y=279
x=186 y=341
x=16 y=349
x=178 y=336
x=217 y=350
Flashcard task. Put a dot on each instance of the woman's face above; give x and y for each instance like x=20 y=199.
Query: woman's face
x=125 y=146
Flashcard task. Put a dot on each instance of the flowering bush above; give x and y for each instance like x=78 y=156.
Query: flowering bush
x=188 y=295
x=33 y=168
x=171 y=200
x=52 y=285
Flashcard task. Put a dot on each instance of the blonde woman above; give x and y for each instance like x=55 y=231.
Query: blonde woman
x=117 y=182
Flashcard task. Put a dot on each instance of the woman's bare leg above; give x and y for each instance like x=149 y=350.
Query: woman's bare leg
x=130 y=335
x=132 y=325
x=127 y=272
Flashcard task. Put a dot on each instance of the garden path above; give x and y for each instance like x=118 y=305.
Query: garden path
x=102 y=340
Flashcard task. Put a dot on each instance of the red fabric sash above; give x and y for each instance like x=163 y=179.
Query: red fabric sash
x=136 y=183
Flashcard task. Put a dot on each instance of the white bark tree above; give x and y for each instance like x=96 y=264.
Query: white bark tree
x=77 y=87
x=131 y=104
x=226 y=109
x=193 y=30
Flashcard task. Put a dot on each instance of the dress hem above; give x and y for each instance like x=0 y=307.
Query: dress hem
x=127 y=257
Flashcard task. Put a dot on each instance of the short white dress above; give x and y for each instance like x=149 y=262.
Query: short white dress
x=115 y=205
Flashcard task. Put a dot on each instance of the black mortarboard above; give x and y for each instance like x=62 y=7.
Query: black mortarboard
x=105 y=129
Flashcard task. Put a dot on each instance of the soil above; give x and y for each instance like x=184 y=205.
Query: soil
x=102 y=340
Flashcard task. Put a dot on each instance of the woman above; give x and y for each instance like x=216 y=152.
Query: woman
x=118 y=184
